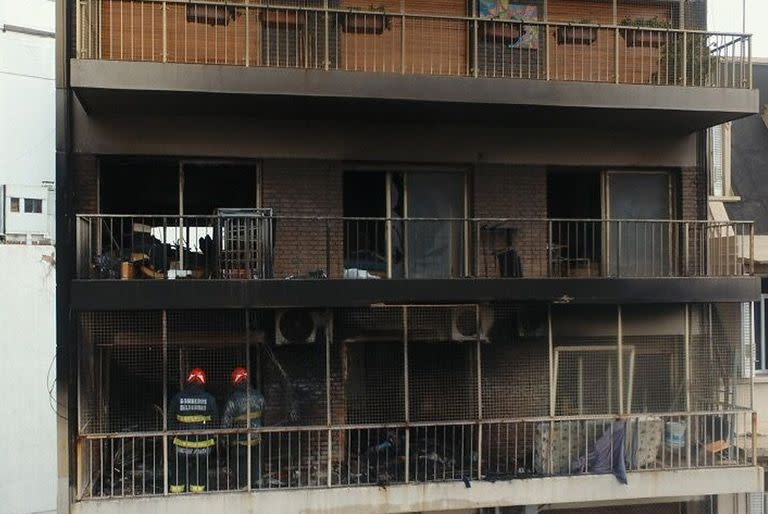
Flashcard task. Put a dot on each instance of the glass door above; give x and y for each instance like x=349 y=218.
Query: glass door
x=639 y=248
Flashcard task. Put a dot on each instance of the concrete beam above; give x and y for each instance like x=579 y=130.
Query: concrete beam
x=447 y=496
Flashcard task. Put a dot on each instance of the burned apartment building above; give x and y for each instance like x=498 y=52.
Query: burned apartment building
x=460 y=247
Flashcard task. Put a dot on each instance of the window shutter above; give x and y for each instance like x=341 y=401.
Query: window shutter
x=717 y=177
x=756 y=503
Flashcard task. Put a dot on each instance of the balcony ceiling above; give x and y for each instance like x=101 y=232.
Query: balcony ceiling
x=115 y=88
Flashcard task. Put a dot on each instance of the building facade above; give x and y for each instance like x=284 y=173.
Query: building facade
x=27 y=277
x=462 y=249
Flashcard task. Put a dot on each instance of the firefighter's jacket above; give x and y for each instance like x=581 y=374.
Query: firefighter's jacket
x=193 y=408
x=244 y=409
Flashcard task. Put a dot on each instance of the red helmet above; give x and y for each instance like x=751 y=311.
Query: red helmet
x=239 y=375
x=196 y=375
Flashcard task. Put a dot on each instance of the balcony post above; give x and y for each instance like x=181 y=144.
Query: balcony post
x=164 y=336
x=550 y=251
x=687 y=364
x=247 y=38
x=402 y=36
x=479 y=370
x=749 y=61
x=754 y=438
x=406 y=397
x=620 y=359
x=475 y=32
x=686 y=230
x=328 y=420
x=327 y=37
x=685 y=58
x=752 y=249
x=165 y=32
x=615 y=42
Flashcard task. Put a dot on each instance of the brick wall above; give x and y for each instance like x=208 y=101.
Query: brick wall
x=132 y=30
x=85 y=182
x=305 y=189
x=504 y=191
x=693 y=194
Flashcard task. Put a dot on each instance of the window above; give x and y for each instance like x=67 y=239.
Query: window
x=33 y=205
x=14 y=205
x=720 y=160
x=759 y=348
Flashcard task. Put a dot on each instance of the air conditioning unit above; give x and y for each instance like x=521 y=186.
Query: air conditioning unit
x=301 y=326
x=464 y=323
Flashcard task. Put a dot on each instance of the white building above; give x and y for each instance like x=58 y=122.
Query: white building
x=27 y=272
x=28 y=213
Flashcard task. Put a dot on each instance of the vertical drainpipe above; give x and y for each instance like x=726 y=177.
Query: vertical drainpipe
x=65 y=349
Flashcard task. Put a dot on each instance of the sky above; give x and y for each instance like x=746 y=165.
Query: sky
x=726 y=16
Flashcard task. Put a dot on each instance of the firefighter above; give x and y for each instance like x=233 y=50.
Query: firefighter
x=243 y=409
x=193 y=408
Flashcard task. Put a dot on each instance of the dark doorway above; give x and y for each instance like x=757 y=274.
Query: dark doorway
x=574 y=204
x=365 y=238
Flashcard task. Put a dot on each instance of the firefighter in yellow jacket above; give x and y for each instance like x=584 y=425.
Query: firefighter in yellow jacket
x=193 y=408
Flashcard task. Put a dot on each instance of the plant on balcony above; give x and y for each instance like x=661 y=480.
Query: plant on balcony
x=695 y=63
x=576 y=35
x=284 y=18
x=636 y=37
x=374 y=22
x=212 y=15
x=502 y=31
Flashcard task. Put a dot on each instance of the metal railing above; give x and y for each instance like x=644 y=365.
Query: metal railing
x=280 y=247
x=149 y=463
x=250 y=34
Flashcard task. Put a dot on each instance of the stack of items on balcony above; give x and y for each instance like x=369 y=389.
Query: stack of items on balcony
x=579 y=446
x=141 y=255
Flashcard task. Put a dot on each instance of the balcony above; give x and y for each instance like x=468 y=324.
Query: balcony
x=420 y=55
x=260 y=260
x=468 y=402
x=261 y=246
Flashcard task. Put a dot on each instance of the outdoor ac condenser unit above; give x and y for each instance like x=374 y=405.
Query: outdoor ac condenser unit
x=464 y=322
x=301 y=326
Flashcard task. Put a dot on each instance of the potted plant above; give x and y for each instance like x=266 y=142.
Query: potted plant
x=505 y=31
x=579 y=34
x=283 y=18
x=359 y=22
x=636 y=37
x=212 y=15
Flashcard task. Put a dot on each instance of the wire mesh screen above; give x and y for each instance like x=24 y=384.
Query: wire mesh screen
x=515 y=365
x=585 y=359
x=719 y=355
x=121 y=375
x=212 y=340
x=655 y=369
x=375 y=385
x=128 y=360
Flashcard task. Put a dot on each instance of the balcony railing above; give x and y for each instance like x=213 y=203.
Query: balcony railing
x=263 y=246
x=250 y=34
x=139 y=464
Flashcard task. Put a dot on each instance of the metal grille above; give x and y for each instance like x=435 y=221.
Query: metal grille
x=121 y=372
x=417 y=394
x=246 y=243
x=641 y=42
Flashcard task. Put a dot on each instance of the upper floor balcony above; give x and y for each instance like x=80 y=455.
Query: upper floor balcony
x=254 y=244
x=559 y=55
x=262 y=259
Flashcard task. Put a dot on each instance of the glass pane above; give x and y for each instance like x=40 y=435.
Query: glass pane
x=435 y=245
x=639 y=248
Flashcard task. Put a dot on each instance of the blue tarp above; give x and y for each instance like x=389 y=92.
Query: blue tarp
x=608 y=454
